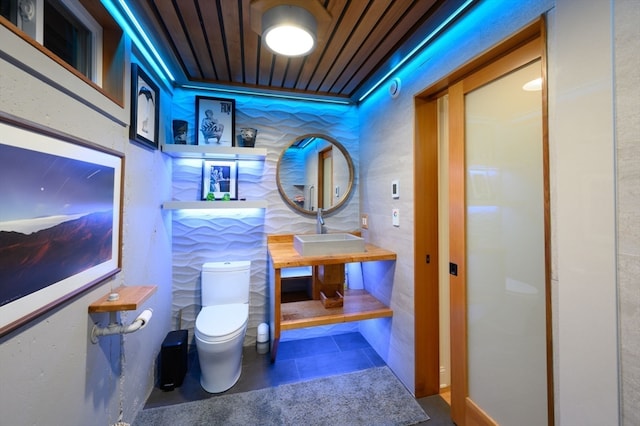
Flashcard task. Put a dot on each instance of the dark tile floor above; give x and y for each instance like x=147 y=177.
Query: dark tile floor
x=298 y=360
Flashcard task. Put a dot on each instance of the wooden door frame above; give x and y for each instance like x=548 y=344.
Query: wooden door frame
x=322 y=156
x=426 y=271
x=426 y=297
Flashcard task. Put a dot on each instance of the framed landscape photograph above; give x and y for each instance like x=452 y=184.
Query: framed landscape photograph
x=215 y=121
x=219 y=180
x=145 y=108
x=60 y=219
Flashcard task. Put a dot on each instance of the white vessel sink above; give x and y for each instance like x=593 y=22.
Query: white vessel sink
x=327 y=244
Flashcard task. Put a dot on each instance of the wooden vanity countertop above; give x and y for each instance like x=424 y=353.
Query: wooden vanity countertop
x=284 y=255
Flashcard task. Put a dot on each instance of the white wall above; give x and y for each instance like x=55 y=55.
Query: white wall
x=583 y=212
x=51 y=372
x=627 y=124
x=583 y=192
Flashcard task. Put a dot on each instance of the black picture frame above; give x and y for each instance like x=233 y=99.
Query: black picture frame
x=218 y=179
x=215 y=121
x=145 y=108
x=66 y=230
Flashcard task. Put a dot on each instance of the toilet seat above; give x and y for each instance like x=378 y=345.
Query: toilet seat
x=220 y=323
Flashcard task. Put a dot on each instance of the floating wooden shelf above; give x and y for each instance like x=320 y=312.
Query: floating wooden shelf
x=131 y=297
x=217 y=152
x=209 y=205
x=357 y=305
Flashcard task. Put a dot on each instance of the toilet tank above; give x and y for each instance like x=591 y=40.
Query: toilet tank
x=225 y=282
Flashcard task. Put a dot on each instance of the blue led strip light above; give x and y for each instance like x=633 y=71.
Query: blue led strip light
x=267 y=94
x=145 y=45
x=138 y=35
x=426 y=40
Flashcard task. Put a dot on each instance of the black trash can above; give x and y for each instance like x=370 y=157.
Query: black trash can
x=173 y=359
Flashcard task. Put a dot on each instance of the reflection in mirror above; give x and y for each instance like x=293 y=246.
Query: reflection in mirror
x=315 y=171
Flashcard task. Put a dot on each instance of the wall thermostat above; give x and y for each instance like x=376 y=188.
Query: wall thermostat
x=395 y=217
x=395 y=189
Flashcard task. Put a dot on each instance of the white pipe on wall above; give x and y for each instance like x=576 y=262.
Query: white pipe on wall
x=115 y=328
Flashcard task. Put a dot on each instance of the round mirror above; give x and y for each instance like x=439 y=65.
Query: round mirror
x=315 y=171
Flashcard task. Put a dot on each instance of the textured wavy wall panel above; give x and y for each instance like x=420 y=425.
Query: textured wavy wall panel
x=240 y=234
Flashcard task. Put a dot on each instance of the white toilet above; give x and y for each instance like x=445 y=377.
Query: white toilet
x=222 y=323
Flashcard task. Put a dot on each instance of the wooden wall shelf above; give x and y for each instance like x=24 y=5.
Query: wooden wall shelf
x=131 y=297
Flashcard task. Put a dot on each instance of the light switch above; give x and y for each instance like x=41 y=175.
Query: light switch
x=395 y=189
x=395 y=217
x=364 y=221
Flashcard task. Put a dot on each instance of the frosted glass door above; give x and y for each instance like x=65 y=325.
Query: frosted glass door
x=505 y=239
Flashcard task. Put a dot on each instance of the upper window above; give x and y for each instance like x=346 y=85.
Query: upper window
x=62 y=26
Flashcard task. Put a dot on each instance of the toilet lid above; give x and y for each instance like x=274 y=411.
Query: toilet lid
x=218 y=321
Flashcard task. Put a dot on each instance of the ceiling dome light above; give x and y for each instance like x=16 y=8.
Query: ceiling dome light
x=289 y=30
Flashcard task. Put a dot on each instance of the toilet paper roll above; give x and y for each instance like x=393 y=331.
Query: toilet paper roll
x=145 y=316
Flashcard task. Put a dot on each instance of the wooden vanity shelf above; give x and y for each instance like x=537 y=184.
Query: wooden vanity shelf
x=338 y=305
x=131 y=297
x=357 y=305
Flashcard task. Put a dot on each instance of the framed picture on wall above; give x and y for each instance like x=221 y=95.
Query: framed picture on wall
x=215 y=121
x=145 y=108
x=219 y=180
x=60 y=219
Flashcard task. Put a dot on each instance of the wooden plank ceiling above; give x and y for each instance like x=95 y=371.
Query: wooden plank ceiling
x=213 y=42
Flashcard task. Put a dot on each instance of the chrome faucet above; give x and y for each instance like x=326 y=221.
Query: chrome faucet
x=319 y=222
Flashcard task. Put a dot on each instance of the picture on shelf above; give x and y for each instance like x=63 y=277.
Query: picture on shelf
x=215 y=121
x=219 y=180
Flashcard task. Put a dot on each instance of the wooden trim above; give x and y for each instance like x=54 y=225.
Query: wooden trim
x=130 y=299
x=530 y=32
x=275 y=282
x=279 y=238
x=476 y=416
x=322 y=156
x=457 y=253
x=113 y=53
x=426 y=274
x=547 y=224
x=517 y=59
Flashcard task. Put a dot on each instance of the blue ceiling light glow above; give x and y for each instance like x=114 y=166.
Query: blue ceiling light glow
x=267 y=94
x=426 y=40
x=138 y=35
x=245 y=214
